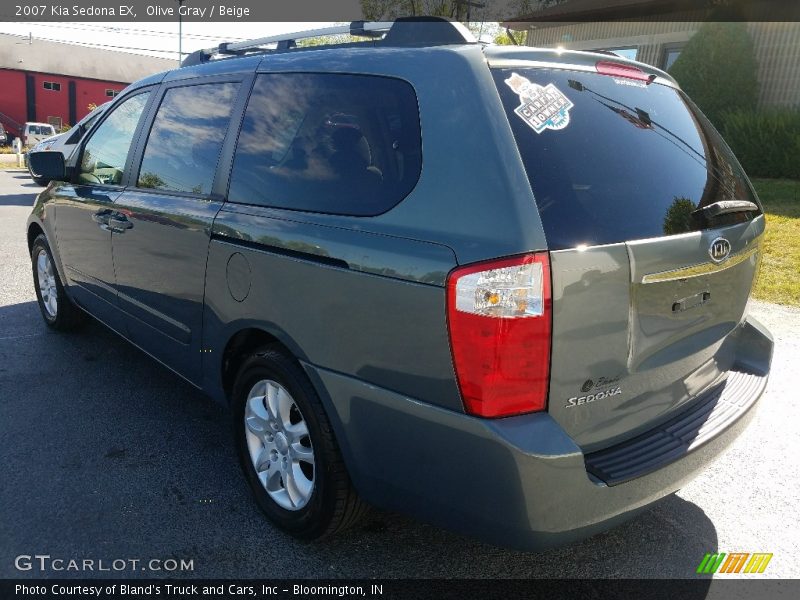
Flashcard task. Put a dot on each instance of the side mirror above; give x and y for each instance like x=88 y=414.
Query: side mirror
x=48 y=165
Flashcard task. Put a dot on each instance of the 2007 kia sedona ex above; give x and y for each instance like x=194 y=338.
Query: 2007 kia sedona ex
x=501 y=289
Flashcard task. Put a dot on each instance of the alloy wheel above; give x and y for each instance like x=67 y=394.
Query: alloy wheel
x=279 y=444
x=46 y=278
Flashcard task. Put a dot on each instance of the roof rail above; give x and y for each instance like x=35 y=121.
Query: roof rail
x=409 y=31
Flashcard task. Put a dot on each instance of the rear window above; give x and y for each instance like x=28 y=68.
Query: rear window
x=331 y=143
x=611 y=159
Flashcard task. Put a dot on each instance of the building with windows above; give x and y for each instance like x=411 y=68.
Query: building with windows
x=654 y=32
x=52 y=82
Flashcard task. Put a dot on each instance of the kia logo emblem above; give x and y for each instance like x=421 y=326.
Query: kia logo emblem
x=719 y=250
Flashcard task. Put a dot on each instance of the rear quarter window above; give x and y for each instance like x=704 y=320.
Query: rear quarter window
x=626 y=161
x=329 y=143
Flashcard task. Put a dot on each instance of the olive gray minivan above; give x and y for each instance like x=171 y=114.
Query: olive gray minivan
x=501 y=289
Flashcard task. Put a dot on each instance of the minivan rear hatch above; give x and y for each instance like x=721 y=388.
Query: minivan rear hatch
x=653 y=231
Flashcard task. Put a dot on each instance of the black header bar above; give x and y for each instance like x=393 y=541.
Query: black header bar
x=138 y=11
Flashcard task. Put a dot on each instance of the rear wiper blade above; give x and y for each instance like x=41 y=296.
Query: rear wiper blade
x=724 y=207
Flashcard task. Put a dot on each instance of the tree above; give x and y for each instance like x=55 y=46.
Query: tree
x=324 y=40
x=503 y=38
x=379 y=10
x=679 y=216
x=717 y=69
x=150 y=180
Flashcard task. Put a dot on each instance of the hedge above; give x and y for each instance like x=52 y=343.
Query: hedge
x=717 y=69
x=766 y=142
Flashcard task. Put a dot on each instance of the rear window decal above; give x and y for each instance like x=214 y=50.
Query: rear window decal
x=543 y=107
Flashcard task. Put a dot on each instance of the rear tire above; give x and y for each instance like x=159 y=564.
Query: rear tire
x=57 y=309
x=288 y=451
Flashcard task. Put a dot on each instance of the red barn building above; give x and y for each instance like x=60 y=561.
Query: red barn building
x=52 y=82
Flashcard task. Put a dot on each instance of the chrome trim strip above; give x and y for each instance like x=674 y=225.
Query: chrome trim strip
x=699 y=270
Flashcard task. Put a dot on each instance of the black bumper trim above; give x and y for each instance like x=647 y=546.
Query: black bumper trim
x=670 y=441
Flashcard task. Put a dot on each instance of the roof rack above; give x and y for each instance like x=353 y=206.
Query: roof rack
x=409 y=31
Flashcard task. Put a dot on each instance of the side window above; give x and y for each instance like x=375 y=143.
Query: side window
x=105 y=153
x=186 y=138
x=331 y=143
x=84 y=127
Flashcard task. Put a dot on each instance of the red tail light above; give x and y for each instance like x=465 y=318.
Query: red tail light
x=619 y=70
x=499 y=315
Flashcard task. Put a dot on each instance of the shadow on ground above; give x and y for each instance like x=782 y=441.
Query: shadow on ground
x=19 y=199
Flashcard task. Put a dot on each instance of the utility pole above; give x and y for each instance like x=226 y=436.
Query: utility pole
x=470 y=4
x=180 y=32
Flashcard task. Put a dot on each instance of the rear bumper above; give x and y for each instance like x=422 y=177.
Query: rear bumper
x=708 y=416
x=520 y=481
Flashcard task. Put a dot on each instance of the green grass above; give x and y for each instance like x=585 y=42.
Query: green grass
x=779 y=279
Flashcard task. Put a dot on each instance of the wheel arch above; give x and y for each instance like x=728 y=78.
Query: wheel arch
x=239 y=346
x=248 y=338
x=37 y=228
x=34 y=231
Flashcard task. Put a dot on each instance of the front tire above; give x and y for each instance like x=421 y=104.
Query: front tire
x=288 y=451
x=57 y=309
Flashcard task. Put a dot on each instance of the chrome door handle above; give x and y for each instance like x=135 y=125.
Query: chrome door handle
x=101 y=217
x=119 y=223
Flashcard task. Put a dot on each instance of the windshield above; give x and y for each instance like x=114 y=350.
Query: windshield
x=612 y=159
